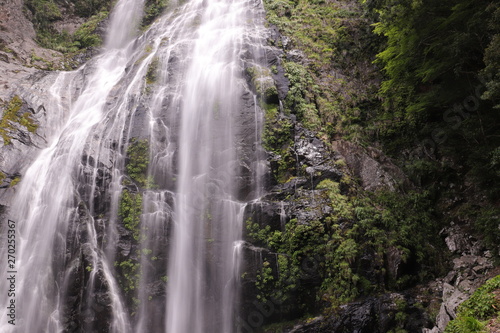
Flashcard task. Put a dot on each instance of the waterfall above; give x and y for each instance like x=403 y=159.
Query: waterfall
x=178 y=90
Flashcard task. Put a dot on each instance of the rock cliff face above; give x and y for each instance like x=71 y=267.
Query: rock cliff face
x=16 y=46
x=300 y=160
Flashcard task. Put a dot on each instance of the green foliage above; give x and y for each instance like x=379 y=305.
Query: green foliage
x=152 y=10
x=439 y=58
x=43 y=12
x=86 y=36
x=418 y=72
x=465 y=325
x=356 y=225
x=277 y=138
x=481 y=306
x=138 y=161
x=263 y=83
x=15 y=181
x=88 y=8
x=487 y=220
x=301 y=94
x=152 y=72
x=440 y=92
x=491 y=72
x=130 y=275
x=340 y=203
x=130 y=211
x=11 y=115
x=334 y=39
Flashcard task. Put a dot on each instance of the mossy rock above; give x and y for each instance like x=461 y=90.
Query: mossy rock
x=13 y=114
x=137 y=162
x=482 y=307
x=263 y=83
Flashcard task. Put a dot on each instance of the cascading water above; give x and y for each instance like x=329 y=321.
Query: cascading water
x=208 y=218
x=86 y=261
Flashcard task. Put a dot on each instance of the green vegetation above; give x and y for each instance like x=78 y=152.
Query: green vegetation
x=15 y=181
x=138 y=161
x=440 y=99
x=44 y=13
x=332 y=84
x=11 y=115
x=152 y=10
x=152 y=72
x=482 y=307
x=130 y=211
x=130 y=273
x=359 y=224
x=263 y=83
x=278 y=138
x=419 y=79
x=300 y=97
x=83 y=38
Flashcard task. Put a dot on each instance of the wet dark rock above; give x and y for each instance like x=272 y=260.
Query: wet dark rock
x=372 y=315
x=394 y=258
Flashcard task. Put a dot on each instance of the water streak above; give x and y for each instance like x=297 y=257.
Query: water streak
x=181 y=87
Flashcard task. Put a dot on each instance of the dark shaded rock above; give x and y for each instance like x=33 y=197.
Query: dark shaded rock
x=372 y=315
x=372 y=167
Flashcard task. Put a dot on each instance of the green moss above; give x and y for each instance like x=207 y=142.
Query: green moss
x=2 y=177
x=152 y=72
x=334 y=38
x=278 y=138
x=137 y=162
x=11 y=115
x=86 y=35
x=130 y=211
x=357 y=224
x=263 y=83
x=301 y=95
x=15 y=181
x=130 y=275
x=340 y=203
x=45 y=12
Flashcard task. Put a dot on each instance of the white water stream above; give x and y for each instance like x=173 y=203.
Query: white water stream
x=190 y=114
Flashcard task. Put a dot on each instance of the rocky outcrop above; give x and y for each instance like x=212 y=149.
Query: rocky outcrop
x=472 y=267
x=45 y=113
x=372 y=315
x=16 y=44
x=373 y=168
